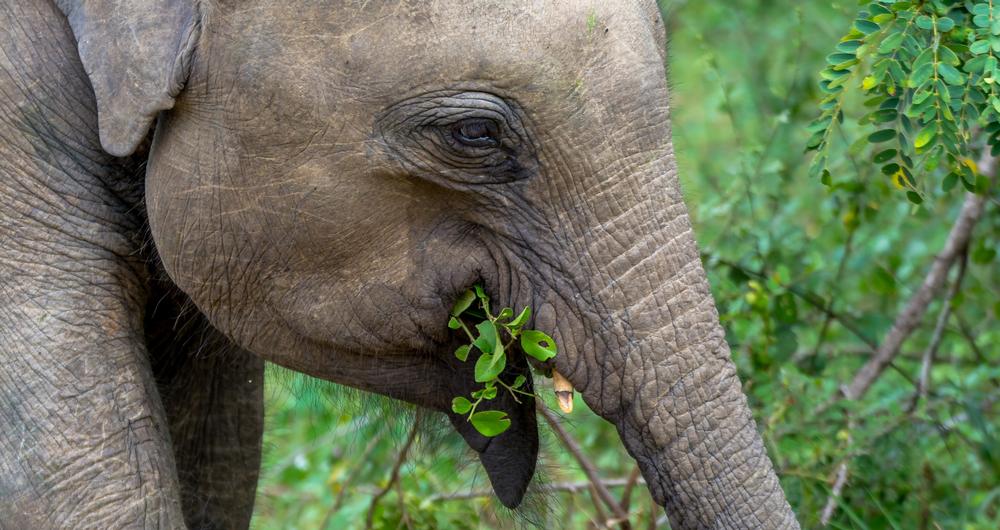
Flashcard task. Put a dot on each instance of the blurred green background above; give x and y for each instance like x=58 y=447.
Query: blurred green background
x=805 y=276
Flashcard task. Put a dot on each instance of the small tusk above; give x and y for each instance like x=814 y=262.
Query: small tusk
x=564 y=392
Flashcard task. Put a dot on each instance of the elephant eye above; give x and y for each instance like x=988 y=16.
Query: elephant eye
x=476 y=133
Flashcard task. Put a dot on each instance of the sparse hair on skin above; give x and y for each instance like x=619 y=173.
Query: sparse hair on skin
x=435 y=439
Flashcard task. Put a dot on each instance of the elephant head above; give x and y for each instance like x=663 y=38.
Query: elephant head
x=326 y=178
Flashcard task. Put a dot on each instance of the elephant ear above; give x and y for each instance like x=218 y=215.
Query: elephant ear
x=137 y=54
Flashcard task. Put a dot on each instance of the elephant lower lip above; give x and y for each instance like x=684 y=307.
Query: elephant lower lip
x=510 y=472
x=509 y=459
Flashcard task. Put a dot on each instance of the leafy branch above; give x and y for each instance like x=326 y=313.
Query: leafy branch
x=495 y=336
x=932 y=74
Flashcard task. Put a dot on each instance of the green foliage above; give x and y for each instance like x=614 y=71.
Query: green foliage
x=931 y=84
x=489 y=341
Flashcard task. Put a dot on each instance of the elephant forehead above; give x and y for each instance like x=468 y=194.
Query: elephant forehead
x=374 y=52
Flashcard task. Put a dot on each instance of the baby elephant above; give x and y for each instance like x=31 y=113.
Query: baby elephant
x=191 y=187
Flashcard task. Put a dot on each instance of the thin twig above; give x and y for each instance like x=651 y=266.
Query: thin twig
x=394 y=476
x=828 y=311
x=602 y=516
x=404 y=515
x=839 y=482
x=588 y=467
x=909 y=318
x=923 y=383
x=831 y=501
x=633 y=478
x=350 y=478
x=557 y=487
x=818 y=302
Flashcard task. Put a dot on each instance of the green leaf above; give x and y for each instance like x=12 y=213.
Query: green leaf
x=925 y=22
x=464 y=301
x=885 y=156
x=983 y=255
x=480 y=293
x=979 y=47
x=949 y=182
x=453 y=323
x=881 y=136
x=815 y=140
x=488 y=367
x=950 y=74
x=866 y=26
x=891 y=43
x=945 y=24
x=925 y=137
x=490 y=392
x=462 y=353
x=921 y=74
x=946 y=55
x=487 y=339
x=521 y=319
x=538 y=345
x=460 y=405
x=519 y=381
x=884 y=115
x=838 y=58
x=490 y=423
x=505 y=313
x=849 y=46
x=914 y=197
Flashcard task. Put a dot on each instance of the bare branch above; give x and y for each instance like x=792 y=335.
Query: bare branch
x=839 y=482
x=557 y=487
x=402 y=506
x=633 y=478
x=928 y=359
x=818 y=302
x=588 y=467
x=394 y=476
x=909 y=318
x=831 y=502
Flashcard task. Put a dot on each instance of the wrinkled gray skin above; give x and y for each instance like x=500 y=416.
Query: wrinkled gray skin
x=325 y=180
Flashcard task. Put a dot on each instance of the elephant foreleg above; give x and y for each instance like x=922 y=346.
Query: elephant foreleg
x=213 y=394
x=83 y=437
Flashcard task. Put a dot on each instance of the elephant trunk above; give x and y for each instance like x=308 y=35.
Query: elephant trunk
x=693 y=435
x=651 y=357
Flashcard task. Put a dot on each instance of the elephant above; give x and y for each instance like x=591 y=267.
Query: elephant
x=194 y=187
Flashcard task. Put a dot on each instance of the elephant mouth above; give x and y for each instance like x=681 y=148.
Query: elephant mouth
x=509 y=458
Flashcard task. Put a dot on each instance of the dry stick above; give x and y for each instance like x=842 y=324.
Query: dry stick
x=910 y=317
x=633 y=478
x=394 y=476
x=560 y=487
x=588 y=467
x=350 y=478
x=831 y=502
x=838 y=483
x=923 y=384
x=602 y=516
x=402 y=507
